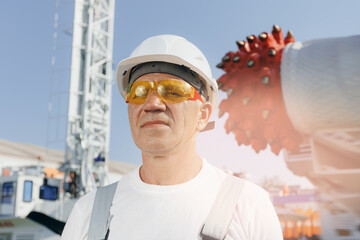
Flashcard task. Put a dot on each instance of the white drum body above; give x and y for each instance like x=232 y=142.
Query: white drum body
x=320 y=82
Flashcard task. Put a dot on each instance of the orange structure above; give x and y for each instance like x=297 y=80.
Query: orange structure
x=293 y=229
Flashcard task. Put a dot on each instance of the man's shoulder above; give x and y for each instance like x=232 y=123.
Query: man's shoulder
x=250 y=190
x=248 y=183
x=88 y=199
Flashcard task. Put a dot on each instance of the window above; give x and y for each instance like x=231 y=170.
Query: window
x=49 y=192
x=6 y=236
x=7 y=192
x=27 y=194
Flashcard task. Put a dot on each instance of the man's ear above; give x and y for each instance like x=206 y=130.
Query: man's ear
x=203 y=116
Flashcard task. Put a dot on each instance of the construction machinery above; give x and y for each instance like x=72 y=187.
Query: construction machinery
x=34 y=203
x=304 y=98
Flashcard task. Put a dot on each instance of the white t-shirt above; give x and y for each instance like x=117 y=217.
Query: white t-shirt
x=177 y=212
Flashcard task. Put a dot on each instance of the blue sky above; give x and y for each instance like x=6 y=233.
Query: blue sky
x=26 y=48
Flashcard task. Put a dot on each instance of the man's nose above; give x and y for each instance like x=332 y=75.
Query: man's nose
x=154 y=103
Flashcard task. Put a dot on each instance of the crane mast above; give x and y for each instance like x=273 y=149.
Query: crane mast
x=88 y=122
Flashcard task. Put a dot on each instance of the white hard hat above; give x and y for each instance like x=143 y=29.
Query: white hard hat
x=170 y=49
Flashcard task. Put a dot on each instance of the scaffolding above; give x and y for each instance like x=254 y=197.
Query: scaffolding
x=88 y=119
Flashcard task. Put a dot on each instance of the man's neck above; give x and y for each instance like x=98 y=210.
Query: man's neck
x=175 y=167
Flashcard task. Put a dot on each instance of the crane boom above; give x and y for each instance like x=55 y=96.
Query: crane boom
x=88 y=124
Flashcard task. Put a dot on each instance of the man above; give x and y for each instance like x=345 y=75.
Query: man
x=168 y=85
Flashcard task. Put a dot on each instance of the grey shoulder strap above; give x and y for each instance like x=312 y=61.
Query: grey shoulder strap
x=100 y=216
x=221 y=213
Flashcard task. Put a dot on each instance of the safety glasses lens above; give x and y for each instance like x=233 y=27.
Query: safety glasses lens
x=169 y=90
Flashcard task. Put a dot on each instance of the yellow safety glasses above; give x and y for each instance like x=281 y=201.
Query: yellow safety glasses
x=169 y=90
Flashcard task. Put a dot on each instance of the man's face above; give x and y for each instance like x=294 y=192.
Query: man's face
x=158 y=126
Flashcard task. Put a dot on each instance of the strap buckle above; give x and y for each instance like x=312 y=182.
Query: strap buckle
x=207 y=237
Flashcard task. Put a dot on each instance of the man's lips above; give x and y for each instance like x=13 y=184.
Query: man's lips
x=155 y=122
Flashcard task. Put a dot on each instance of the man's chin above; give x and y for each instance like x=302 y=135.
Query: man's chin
x=155 y=133
x=156 y=139
x=155 y=146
